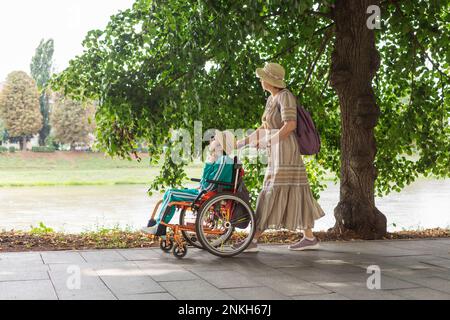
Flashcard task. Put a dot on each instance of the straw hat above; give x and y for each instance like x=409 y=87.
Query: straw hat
x=273 y=74
x=227 y=140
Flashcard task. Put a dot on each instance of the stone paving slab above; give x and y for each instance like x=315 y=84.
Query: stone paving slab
x=64 y=257
x=27 y=290
x=421 y=294
x=103 y=256
x=289 y=285
x=259 y=293
x=126 y=281
x=23 y=273
x=195 y=290
x=147 y=296
x=91 y=285
x=228 y=279
x=165 y=271
x=329 y=296
x=139 y=255
x=356 y=292
x=20 y=259
x=417 y=269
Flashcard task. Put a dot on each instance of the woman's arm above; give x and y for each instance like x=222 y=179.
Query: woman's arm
x=287 y=128
x=288 y=111
x=253 y=138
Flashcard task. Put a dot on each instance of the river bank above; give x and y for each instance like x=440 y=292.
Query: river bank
x=45 y=239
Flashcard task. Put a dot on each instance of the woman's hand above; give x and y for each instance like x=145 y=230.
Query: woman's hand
x=240 y=144
x=264 y=143
x=288 y=127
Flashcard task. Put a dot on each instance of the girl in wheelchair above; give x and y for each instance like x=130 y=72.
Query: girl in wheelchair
x=219 y=167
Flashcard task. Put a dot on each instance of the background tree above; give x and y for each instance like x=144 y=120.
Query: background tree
x=380 y=97
x=71 y=121
x=2 y=131
x=19 y=107
x=41 y=69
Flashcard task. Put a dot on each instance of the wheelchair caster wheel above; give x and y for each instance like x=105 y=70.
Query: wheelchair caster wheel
x=166 y=245
x=179 y=251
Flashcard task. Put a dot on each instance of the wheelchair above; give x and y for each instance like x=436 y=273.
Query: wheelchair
x=221 y=222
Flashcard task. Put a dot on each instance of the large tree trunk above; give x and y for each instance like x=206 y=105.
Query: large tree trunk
x=355 y=61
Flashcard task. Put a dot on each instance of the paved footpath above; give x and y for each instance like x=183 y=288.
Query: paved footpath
x=417 y=269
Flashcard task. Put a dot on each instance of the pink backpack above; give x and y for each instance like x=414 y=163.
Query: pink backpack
x=307 y=135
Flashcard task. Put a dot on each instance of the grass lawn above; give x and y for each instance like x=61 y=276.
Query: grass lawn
x=75 y=168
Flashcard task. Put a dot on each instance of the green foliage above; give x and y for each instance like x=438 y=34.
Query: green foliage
x=172 y=172
x=3 y=149
x=19 y=106
x=12 y=149
x=414 y=94
x=50 y=142
x=40 y=230
x=315 y=175
x=148 y=69
x=44 y=149
x=41 y=69
x=254 y=177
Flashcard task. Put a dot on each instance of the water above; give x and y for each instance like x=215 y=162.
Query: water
x=424 y=204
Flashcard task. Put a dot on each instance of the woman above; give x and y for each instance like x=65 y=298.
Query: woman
x=286 y=200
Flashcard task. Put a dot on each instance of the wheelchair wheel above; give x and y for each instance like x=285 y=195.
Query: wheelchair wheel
x=190 y=237
x=166 y=245
x=180 y=251
x=225 y=225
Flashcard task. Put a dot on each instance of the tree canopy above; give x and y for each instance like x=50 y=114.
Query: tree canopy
x=71 y=121
x=19 y=106
x=165 y=64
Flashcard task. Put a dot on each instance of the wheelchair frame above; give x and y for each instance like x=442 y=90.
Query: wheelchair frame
x=178 y=241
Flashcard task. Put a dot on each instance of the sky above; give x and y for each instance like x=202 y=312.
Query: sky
x=23 y=23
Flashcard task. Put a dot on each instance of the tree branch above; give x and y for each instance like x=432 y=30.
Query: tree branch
x=327 y=15
x=324 y=28
x=287 y=50
x=312 y=65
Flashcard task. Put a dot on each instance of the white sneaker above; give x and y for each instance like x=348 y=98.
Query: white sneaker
x=150 y=230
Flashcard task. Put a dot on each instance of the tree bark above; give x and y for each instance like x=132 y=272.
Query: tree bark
x=45 y=130
x=23 y=143
x=355 y=61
